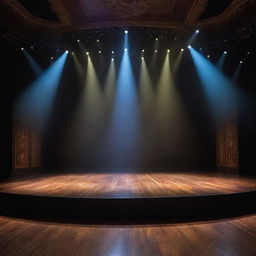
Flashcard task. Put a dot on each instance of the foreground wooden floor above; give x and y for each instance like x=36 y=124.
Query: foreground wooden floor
x=129 y=185
x=235 y=237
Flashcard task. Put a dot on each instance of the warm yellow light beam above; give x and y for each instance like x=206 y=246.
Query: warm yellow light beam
x=146 y=92
x=170 y=114
x=79 y=67
x=88 y=117
x=177 y=63
x=110 y=85
x=81 y=46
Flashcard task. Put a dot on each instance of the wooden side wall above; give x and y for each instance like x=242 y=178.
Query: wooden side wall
x=26 y=147
x=227 y=147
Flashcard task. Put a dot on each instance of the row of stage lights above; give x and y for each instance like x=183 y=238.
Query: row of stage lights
x=126 y=32
x=143 y=51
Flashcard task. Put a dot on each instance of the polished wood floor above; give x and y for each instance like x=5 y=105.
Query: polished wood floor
x=234 y=237
x=129 y=185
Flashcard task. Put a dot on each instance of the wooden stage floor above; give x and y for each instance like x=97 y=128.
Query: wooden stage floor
x=233 y=237
x=129 y=185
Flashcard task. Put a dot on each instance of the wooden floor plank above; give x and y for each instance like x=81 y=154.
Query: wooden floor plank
x=234 y=237
x=129 y=185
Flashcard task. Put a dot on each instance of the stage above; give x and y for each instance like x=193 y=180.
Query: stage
x=128 y=196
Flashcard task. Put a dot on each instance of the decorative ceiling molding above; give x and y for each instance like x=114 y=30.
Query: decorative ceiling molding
x=233 y=9
x=196 y=10
x=18 y=9
x=77 y=15
x=59 y=8
x=132 y=23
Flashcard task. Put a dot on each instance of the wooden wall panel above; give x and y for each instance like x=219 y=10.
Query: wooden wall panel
x=26 y=147
x=20 y=146
x=35 y=148
x=227 y=145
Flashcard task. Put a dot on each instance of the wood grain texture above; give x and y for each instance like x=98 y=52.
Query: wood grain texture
x=129 y=185
x=26 y=147
x=227 y=145
x=234 y=237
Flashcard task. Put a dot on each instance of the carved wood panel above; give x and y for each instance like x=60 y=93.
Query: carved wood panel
x=26 y=147
x=35 y=148
x=227 y=145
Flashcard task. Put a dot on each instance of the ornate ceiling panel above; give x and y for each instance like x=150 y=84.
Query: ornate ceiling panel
x=75 y=15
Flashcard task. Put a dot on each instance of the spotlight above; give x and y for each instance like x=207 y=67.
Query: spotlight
x=126 y=31
x=32 y=47
x=112 y=59
x=78 y=40
x=112 y=52
x=155 y=51
x=208 y=56
x=66 y=51
x=98 y=40
x=248 y=53
x=22 y=49
x=125 y=49
x=241 y=62
x=197 y=31
x=143 y=50
x=182 y=49
x=51 y=58
x=87 y=53
x=142 y=58
x=156 y=39
x=225 y=52
x=189 y=46
x=99 y=51
x=168 y=50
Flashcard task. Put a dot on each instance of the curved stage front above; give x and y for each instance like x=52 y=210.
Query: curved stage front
x=128 y=197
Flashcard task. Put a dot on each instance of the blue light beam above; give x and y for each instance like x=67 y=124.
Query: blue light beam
x=123 y=131
x=221 y=60
x=34 y=66
x=34 y=105
x=219 y=90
